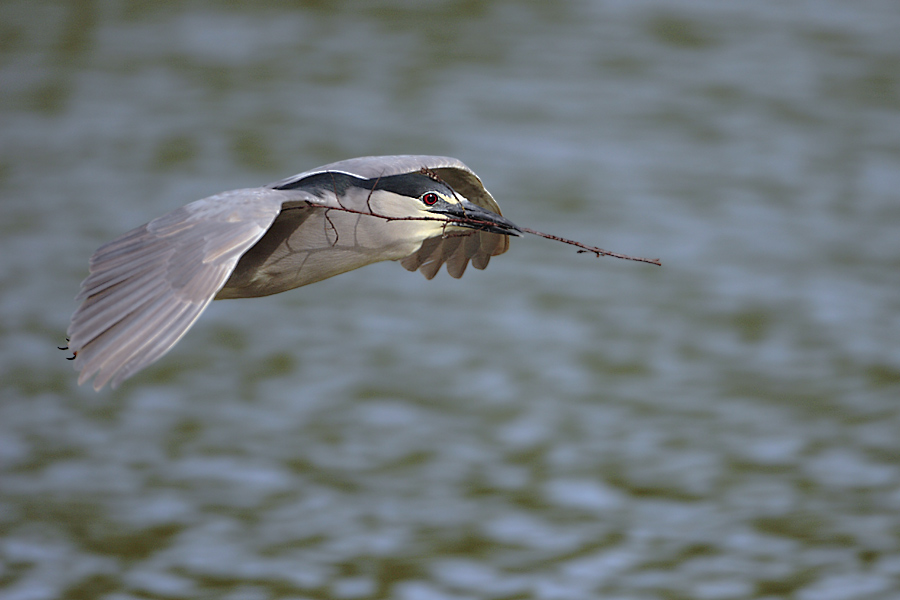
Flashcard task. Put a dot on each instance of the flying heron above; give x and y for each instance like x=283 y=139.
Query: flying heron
x=146 y=288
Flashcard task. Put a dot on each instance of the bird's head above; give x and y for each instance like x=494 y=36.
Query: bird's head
x=426 y=198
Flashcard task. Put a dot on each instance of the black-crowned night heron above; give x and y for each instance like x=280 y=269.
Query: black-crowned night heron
x=146 y=288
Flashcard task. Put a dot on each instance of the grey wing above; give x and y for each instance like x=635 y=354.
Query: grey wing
x=369 y=167
x=146 y=288
x=456 y=250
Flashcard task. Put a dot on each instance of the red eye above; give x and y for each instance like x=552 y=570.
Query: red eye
x=430 y=198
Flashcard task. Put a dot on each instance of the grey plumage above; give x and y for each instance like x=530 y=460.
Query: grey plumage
x=146 y=288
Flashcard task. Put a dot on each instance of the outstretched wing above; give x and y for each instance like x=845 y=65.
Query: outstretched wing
x=146 y=288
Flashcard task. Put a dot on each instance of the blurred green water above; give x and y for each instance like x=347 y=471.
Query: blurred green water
x=555 y=427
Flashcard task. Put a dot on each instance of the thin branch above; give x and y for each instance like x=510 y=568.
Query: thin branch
x=584 y=248
x=593 y=249
x=369 y=197
x=334 y=189
x=330 y=223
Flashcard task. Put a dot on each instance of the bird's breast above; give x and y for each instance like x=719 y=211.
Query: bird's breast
x=307 y=245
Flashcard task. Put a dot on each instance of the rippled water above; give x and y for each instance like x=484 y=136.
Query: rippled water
x=560 y=427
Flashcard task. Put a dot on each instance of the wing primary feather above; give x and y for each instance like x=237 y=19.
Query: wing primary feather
x=455 y=253
x=112 y=341
x=473 y=244
x=147 y=287
x=418 y=258
x=490 y=243
x=151 y=339
x=160 y=347
x=109 y=310
x=102 y=276
x=431 y=266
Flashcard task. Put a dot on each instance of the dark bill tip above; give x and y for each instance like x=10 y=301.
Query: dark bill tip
x=473 y=216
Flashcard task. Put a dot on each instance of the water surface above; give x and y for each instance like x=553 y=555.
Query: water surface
x=558 y=426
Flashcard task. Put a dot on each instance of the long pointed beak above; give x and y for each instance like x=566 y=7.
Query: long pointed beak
x=466 y=214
